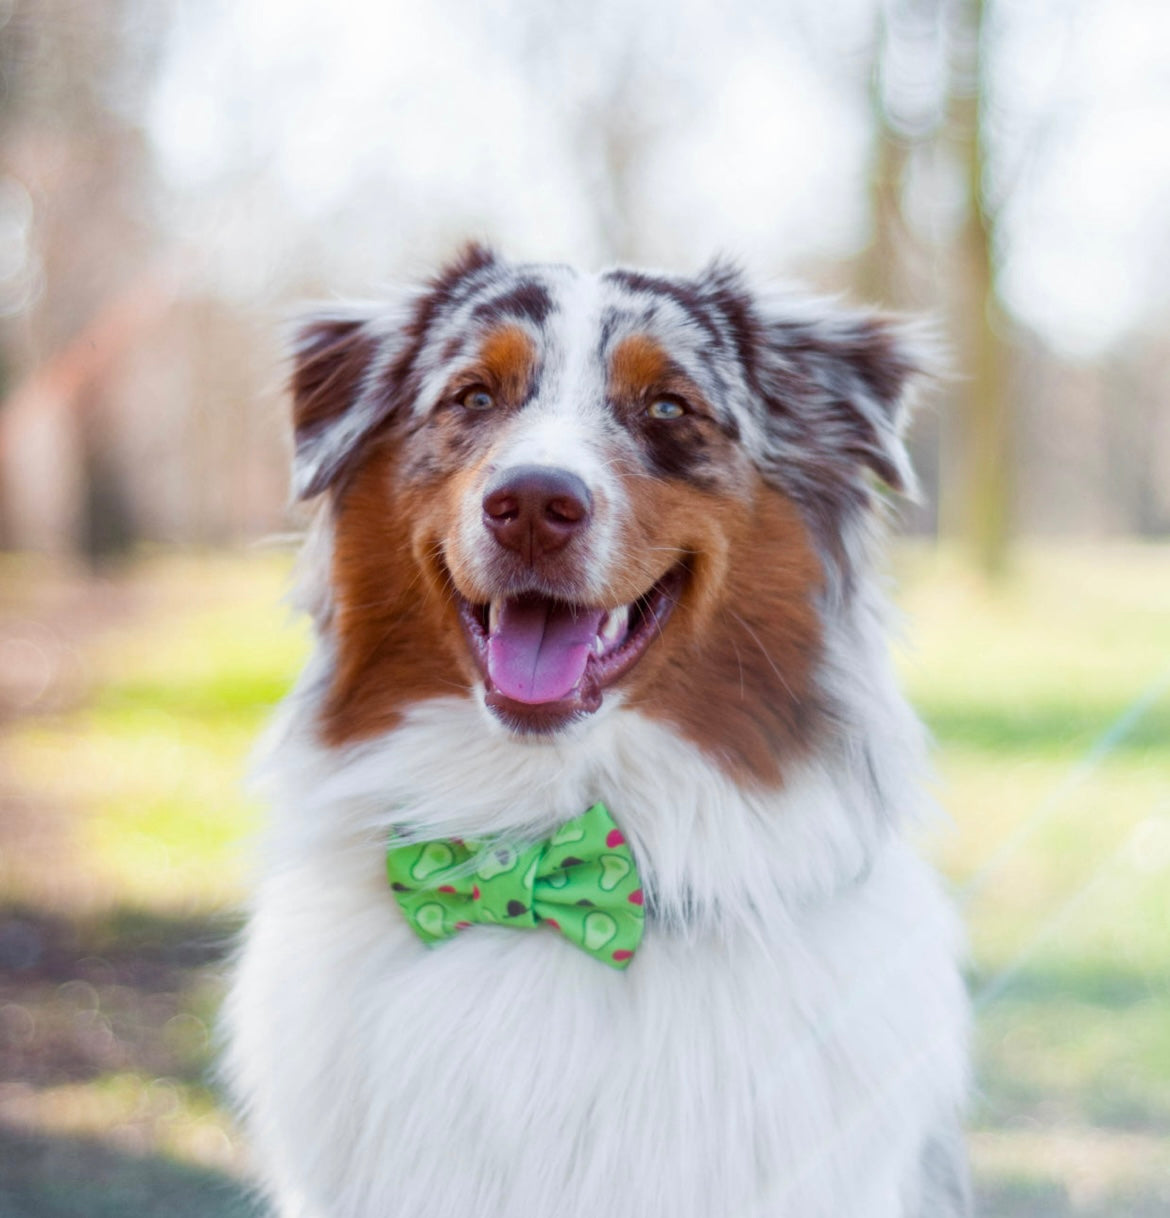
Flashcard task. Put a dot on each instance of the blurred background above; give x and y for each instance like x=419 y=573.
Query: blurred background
x=176 y=175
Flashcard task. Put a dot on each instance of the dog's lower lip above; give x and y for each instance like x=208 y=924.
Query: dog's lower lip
x=647 y=615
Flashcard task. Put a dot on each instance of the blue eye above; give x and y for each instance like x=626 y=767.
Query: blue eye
x=666 y=408
x=477 y=399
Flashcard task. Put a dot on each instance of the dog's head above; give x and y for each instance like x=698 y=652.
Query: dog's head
x=558 y=491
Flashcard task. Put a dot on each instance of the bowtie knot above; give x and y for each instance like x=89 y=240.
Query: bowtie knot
x=582 y=881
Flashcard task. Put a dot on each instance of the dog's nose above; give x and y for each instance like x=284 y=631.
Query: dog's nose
x=536 y=509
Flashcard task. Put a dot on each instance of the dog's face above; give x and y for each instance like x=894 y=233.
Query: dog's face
x=561 y=491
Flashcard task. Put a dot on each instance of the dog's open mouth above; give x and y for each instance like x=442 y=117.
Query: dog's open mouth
x=545 y=662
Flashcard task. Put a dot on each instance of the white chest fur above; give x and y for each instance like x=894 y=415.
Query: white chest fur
x=786 y=1039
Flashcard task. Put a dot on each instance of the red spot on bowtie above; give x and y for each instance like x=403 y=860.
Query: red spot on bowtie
x=553 y=923
x=475 y=893
x=614 y=838
x=623 y=955
x=635 y=897
x=446 y=888
x=462 y=925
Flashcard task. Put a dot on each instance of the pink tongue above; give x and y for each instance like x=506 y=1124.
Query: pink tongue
x=539 y=648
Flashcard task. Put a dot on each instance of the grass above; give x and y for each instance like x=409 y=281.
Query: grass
x=1050 y=702
x=122 y=859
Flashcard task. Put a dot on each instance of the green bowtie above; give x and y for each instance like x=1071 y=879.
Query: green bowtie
x=582 y=881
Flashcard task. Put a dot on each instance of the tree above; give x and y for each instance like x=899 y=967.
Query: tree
x=917 y=110
x=985 y=399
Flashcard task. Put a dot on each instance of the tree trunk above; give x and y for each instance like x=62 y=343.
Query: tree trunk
x=985 y=432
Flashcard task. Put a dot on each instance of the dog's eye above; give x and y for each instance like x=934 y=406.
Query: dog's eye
x=477 y=399
x=666 y=408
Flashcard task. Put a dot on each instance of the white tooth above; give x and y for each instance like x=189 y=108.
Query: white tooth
x=599 y=645
x=493 y=616
x=614 y=626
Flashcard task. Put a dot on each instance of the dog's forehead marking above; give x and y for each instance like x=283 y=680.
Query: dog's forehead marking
x=575 y=379
x=495 y=299
x=526 y=299
x=579 y=323
x=567 y=423
x=638 y=364
x=509 y=352
x=598 y=317
x=691 y=332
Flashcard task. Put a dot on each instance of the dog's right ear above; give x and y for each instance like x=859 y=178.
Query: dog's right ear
x=351 y=365
x=335 y=404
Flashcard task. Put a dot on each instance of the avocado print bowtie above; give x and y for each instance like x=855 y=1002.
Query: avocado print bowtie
x=582 y=881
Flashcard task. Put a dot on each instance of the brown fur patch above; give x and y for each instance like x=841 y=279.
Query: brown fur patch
x=695 y=447
x=734 y=670
x=508 y=356
x=397 y=632
x=639 y=367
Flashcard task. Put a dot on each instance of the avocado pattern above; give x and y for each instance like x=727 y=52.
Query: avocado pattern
x=430 y=919
x=435 y=856
x=583 y=882
x=571 y=831
x=600 y=928
x=499 y=860
x=614 y=869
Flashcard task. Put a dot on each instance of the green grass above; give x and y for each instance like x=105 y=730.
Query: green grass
x=157 y=753
x=1059 y=792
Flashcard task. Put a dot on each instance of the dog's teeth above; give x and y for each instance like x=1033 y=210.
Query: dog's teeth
x=493 y=616
x=614 y=628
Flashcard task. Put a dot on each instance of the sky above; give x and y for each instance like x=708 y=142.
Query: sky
x=347 y=143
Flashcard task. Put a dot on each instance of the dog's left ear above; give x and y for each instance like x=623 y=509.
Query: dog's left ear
x=836 y=385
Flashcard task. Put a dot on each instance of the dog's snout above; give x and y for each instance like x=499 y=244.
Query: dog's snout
x=536 y=509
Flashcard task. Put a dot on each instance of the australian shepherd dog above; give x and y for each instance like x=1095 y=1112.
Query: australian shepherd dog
x=587 y=893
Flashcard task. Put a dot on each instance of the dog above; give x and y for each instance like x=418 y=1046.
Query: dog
x=588 y=891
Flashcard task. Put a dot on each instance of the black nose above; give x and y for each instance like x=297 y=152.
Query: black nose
x=535 y=509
